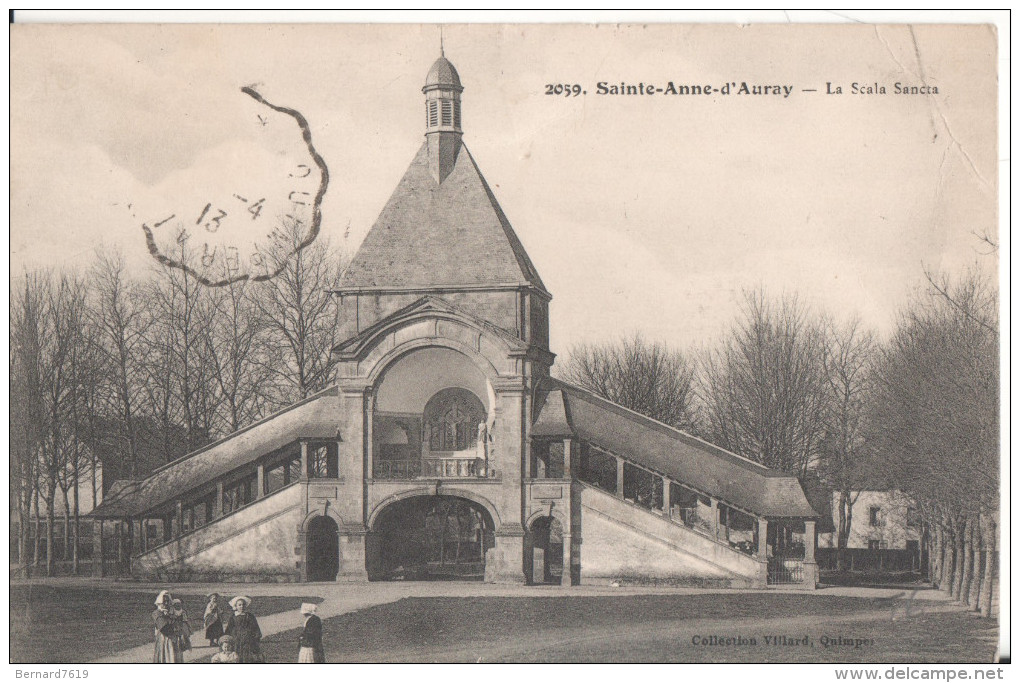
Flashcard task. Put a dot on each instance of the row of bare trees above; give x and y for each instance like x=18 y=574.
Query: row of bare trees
x=784 y=387
x=820 y=398
x=936 y=426
x=117 y=374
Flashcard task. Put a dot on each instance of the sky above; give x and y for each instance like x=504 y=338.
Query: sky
x=642 y=214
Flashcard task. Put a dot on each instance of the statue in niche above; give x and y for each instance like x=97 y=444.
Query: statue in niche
x=481 y=463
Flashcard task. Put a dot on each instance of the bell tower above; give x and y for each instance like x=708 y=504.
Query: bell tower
x=442 y=116
x=442 y=235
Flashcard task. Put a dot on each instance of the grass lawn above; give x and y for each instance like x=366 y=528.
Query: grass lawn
x=658 y=628
x=56 y=625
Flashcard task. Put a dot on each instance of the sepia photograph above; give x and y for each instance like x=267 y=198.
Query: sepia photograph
x=413 y=342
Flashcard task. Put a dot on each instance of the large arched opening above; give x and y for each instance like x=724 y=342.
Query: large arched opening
x=322 y=549
x=431 y=538
x=432 y=409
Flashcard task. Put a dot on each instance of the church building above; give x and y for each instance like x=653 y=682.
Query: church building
x=447 y=450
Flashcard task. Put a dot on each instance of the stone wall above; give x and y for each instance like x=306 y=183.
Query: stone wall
x=256 y=543
x=626 y=543
x=361 y=311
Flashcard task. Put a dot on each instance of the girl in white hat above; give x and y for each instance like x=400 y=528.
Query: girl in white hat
x=165 y=626
x=310 y=645
x=244 y=628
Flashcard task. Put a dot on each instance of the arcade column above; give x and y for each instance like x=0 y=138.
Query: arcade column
x=352 y=555
x=504 y=562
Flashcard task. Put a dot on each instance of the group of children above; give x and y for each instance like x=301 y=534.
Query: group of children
x=235 y=631
x=220 y=625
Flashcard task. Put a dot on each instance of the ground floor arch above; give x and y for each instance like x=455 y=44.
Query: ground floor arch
x=544 y=552
x=430 y=537
x=322 y=549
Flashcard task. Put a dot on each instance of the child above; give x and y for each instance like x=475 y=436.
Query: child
x=226 y=655
x=213 y=620
x=310 y=645
x=184 y=628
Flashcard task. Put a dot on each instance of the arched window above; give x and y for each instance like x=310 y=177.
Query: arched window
x=451 y=420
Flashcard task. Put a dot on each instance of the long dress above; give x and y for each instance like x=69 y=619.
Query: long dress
x=183 y=633
x=247 y=636
x=310 y=645
x=213 y=623
x=165 y=650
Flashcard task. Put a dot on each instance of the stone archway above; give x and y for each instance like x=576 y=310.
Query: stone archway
x=545 y=550
x=430 y=537
x=322 y=549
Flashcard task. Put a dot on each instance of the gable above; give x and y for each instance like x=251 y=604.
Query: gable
x=441 y=234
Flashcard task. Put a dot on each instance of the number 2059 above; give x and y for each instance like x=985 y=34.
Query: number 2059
x=564 y=89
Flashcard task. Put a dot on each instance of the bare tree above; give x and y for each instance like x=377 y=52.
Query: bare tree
x=236 y=346
x=66 y=312
x=648 y=377
x=300 y=311
x=936 y=423
x=763 y=390
x=180 y=378
x=29 y=327
x=121 y=317
x=847 y=361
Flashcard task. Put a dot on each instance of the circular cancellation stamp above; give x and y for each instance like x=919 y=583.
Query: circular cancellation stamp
x=257 y=205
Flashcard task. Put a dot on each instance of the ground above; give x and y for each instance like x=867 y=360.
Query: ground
x=56 y=624
x=465 y=622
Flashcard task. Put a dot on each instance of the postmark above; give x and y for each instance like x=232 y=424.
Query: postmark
x=263 y=206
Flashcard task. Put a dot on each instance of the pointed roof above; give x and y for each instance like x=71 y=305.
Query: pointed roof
x=552 y=420
x=449 y=234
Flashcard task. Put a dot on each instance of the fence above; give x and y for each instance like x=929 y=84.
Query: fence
x=62 y=552
x=785 y=570
x=868 y=560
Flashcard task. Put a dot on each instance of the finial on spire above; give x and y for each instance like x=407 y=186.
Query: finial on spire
x=441 y=53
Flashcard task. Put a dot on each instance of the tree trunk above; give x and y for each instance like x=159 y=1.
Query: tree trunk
x=95 y=468
x=957 y=583
x=38 y=536
x=77 y=521
x=935 y=555
x=26 y=517
x=67 y=527
x=944 y=556
x=50 y=500
x=946 y=569
x=963 y=592
x=843 y=532
x=987 y=579
x=21 y=537
x=974 y=589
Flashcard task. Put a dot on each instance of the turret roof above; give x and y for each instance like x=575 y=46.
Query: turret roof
x=442 y=73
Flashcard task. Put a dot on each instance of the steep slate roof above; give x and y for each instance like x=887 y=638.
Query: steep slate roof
x=450 y=233
x=680 y=456
x=820 y=497
x=313 y=418
x=551 y=415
